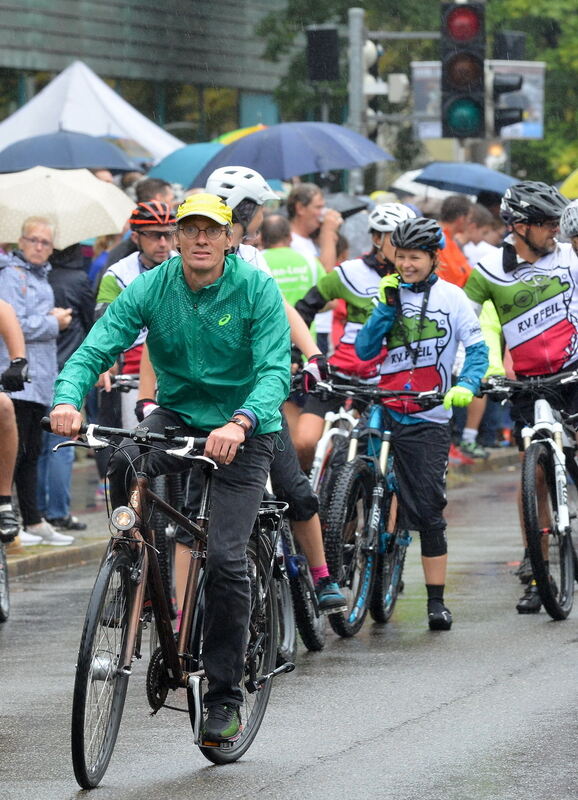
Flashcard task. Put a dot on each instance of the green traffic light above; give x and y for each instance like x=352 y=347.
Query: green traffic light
x=465 y=117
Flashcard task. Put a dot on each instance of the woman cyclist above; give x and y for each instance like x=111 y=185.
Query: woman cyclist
x=421 y=319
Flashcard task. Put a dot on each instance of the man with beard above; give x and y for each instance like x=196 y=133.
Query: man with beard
x=531 y=282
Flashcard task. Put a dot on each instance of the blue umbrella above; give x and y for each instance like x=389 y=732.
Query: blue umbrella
x=464 y=177
x=63 y=150
x=184 y=164
x=297 y=148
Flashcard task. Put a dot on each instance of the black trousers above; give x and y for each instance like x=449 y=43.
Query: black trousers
x=237 y=492
x=28 y=416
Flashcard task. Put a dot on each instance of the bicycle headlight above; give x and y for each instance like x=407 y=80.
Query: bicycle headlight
x=123 y=518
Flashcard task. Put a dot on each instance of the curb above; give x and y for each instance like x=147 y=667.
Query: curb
x=56 y=559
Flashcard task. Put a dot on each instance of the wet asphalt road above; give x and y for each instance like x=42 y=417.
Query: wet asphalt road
x=487 y=711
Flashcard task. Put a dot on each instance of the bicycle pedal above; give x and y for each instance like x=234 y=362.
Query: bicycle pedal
x=339 y=610
x=225 y=743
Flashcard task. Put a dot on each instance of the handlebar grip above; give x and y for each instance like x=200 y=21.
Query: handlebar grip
x=45 y=425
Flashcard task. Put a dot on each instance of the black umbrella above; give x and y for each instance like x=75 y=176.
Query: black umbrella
x=63 y=150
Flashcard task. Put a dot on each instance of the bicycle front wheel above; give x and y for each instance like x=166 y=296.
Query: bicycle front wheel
x=390 y=563
x=100 y=687
x=350 y=556
x=4 y=586
x=550 y=551
x=260 y=656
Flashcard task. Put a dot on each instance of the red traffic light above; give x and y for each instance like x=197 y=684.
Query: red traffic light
x=463 y=24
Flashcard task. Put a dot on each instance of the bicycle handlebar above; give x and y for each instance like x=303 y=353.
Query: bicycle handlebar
x=373 y=392
x=141 y=435
x=507 y=386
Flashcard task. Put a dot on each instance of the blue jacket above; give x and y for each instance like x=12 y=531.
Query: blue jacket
x=25 y=286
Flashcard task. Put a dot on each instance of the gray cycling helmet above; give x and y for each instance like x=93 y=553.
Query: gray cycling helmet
x=418 y=234
x=569 y=220
x=531 y=202
x=387 y=216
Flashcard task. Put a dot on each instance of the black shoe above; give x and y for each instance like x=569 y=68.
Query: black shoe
x=530 y=602
x=438 y=616
x=68 y=523
x=524 y=571
x=8 y=525
x=223 y=723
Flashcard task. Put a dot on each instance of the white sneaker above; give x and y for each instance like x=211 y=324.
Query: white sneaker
x=49 y=536
x=28 y=539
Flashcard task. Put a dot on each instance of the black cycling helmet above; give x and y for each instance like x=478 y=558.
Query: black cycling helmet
x=531 y=202
x=418 y=234
x=152 y=212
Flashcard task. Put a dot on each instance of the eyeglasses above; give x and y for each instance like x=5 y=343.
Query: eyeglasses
x=549 y=224
x=158 y=235
x=34 y=241
x=192 y=231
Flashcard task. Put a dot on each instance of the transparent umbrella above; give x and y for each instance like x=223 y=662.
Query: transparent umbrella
x=80 y=205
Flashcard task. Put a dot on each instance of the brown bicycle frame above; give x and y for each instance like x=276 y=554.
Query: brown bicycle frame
x=141 y=536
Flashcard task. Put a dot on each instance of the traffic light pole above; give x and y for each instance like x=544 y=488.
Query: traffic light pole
x=356 y=18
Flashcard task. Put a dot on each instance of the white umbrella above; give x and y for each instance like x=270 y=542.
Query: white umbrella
x=80 y=205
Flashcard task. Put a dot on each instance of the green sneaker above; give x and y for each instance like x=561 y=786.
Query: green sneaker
x=223 y=723
x=474 y=450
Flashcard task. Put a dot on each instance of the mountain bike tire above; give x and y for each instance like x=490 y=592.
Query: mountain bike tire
x=287 y=640
x=99 y=688
x=556 y=593
x=164 y=486
x=334 y=461
x=310 y=623
x=263 y=621
x=350 y=557
x=4 y=586
x=389 y=569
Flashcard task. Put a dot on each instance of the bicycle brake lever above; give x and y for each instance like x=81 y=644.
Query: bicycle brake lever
x=70 y=443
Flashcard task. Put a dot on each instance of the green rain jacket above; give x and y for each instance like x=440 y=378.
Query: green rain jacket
x=222 y=348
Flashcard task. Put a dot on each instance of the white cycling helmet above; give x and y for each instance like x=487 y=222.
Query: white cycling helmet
x=387 y=216
x=235 y=184
x=569 y=220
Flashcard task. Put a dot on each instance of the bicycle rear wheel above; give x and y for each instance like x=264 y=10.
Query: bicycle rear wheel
x=260 y=656
x=4 y=586
x=99 y=688
x=551 y=553
x=390 y=563
x=350 y=557
x=334 y=461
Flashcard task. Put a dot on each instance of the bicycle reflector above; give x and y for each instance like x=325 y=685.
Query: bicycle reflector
x=123 y=518
x=463 y=44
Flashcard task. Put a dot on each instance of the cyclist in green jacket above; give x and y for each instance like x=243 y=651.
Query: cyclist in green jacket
x=218 y=339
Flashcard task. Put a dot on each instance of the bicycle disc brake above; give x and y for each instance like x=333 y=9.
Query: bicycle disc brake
x=157 y=681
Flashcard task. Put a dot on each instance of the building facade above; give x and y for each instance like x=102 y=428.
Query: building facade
x=194 y=66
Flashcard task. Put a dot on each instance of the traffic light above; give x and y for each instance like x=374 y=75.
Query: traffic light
x=322 y=53
x=503 y=107
x=463 y=51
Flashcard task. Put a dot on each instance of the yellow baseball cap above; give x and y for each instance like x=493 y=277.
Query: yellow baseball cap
x=205 y=205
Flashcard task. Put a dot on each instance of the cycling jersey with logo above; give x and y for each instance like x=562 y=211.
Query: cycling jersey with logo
x=432 y=340
x=537 y=305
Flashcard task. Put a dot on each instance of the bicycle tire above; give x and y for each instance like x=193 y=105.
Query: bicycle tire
x=389 y=570
x=350 y=558
x=287 y=643
x=4 y=586
x=556 y=594
x=164 y=537
x=98 y=688
x=310 y=624
x=333 y=463
x=263 y=621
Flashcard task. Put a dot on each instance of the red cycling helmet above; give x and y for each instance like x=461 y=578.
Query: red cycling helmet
x=151 y=212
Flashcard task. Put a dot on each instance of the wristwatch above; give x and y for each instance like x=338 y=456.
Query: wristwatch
x=243 y=423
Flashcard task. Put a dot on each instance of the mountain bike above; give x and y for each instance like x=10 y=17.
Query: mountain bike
x=112 y=635
x=364 y=541
x=549 y=469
